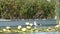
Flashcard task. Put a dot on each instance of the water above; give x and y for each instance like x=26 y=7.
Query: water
x=22 y=22
x=3 y=24
x=32 y=33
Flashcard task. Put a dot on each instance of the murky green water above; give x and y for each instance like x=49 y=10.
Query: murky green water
x=32 y=33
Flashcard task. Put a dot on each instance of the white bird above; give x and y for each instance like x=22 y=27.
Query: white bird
x=35 y=23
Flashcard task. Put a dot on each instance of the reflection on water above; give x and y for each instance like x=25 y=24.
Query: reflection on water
x=32 y=33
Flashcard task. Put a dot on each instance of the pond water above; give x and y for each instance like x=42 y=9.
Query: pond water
x=32 y=33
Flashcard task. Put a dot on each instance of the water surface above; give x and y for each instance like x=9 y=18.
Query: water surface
x=32 y=33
